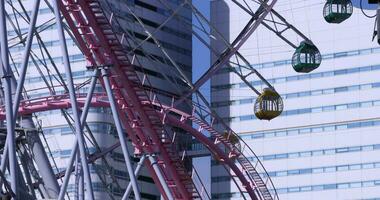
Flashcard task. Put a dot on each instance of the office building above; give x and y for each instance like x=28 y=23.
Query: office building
x=326 y=143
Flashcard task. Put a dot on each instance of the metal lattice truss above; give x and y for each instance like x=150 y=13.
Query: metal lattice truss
x=143 y=114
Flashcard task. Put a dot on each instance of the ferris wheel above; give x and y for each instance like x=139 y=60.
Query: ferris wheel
x=148 y=121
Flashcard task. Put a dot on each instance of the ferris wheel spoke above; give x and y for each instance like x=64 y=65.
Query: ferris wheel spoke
x=121 y=135
x=43 y=49
x=75 y=146
x=159 y=45
x=6 y=73
x=42 y=160
x=200 y=18
x=77 y=121
x=152 y=33
x=229 y=52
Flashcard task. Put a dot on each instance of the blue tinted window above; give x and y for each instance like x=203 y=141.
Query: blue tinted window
x=375 y=85
x=365 y=69
x=317 y=187
x=330 y=186
x=341 y=89
x=261 y=135
x=316 y=75
x=305 y=171
x=340 y=72
x=245 y=117
x=353 y=105
x=281 y=156
x=270 y=157
x=341 y=54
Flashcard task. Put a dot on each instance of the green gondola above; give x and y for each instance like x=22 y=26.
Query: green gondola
x=306 y=58
x=268 y=105
x=337 y=11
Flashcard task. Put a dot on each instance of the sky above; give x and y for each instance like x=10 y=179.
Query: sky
x=201 y=54
x=201 y=61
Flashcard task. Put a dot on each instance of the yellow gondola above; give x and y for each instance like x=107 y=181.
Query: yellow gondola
x=268 y=105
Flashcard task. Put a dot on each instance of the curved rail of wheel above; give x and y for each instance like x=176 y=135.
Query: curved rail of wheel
x=254 y=178
x=241 y=151
x=248 y=160
x=54 y=102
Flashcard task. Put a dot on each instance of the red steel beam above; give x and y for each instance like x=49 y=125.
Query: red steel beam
x=100 y=100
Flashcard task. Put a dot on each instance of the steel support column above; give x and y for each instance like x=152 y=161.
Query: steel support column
x=81 y=183
x=7 y=75
x=158 y=172
x=77 y=122
x=7 y=186
x=26 y=163
x=85 y=109
x=79 y=180
x=22 y=187
x=49 y=183
x=137 y=171
x=122 y=138
x=45 y=169
x=42 y=161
